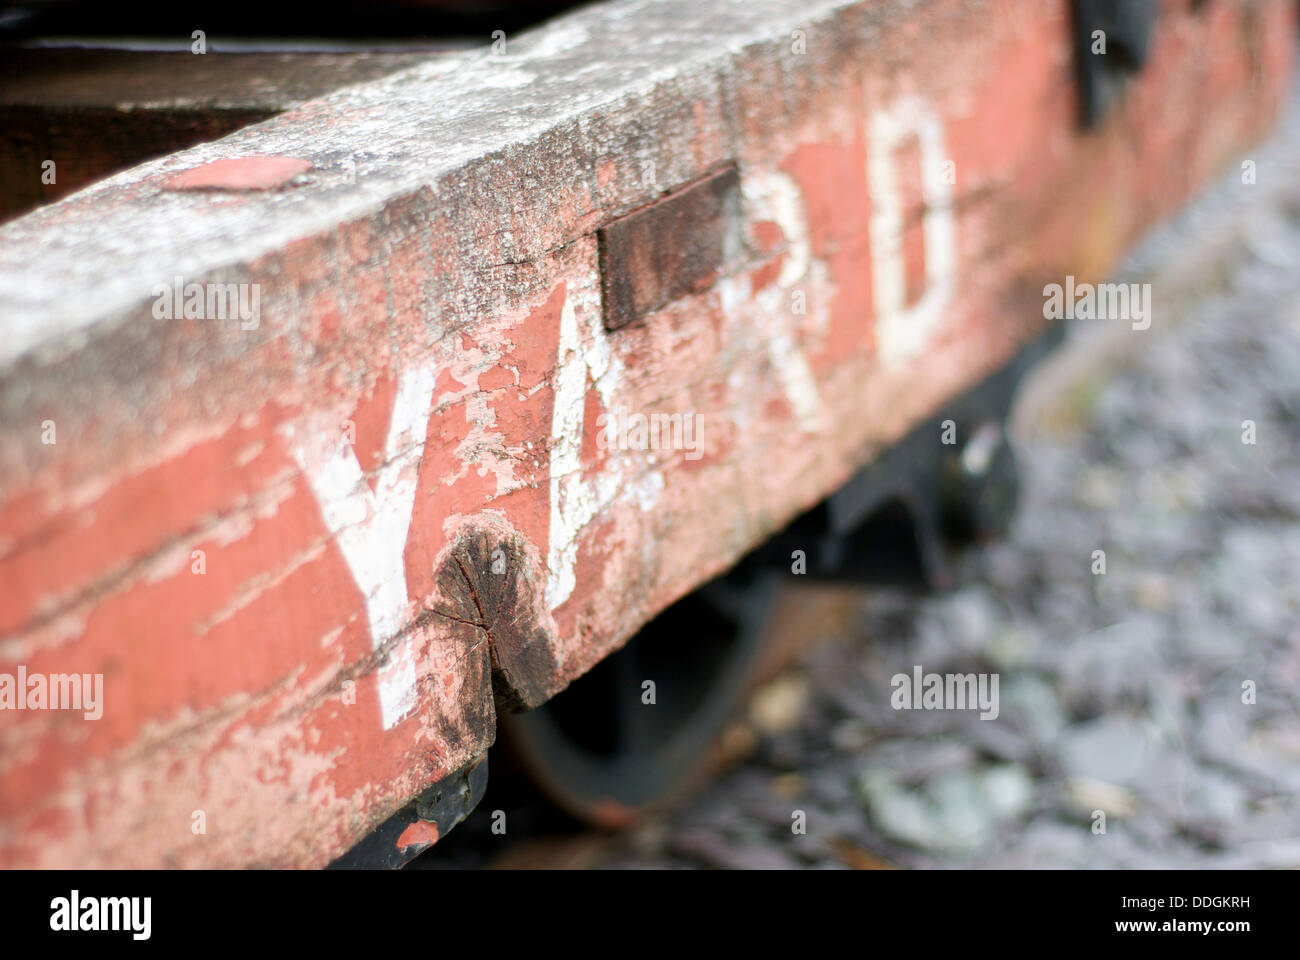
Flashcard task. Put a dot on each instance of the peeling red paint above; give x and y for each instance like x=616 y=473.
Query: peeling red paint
x=421 y=833
x=241 y=173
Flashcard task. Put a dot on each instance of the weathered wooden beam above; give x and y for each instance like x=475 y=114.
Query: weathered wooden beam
x=310 y=546
x=94 y=112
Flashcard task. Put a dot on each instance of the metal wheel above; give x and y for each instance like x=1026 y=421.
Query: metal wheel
x=603 y=753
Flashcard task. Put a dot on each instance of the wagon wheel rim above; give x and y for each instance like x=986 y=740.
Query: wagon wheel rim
x=605 y=754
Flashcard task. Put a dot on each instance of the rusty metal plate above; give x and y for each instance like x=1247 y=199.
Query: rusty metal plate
x=666 y=249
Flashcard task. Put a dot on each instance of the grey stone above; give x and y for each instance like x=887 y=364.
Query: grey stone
x=1110 y=749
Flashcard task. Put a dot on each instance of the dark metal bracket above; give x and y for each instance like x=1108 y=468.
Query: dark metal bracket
x=418 y=825
x=1122 y=28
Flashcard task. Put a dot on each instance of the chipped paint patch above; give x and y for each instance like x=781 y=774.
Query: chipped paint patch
x=241 y=173
x=421 y=833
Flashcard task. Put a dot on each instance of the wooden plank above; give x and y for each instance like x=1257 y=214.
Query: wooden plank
x=273 y=533
x=94 y=112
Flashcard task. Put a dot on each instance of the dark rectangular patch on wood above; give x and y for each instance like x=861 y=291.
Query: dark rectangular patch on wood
x=666 y=249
